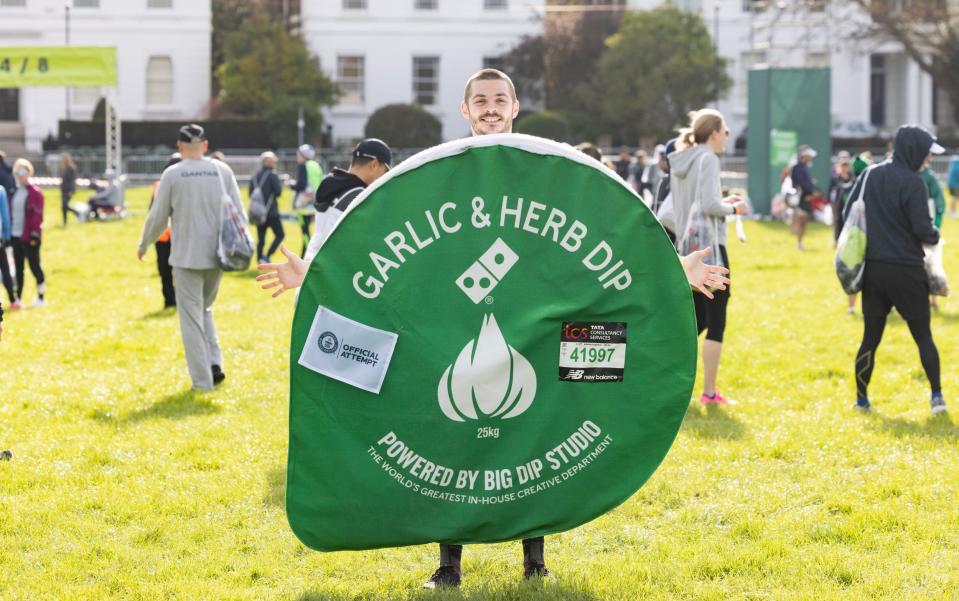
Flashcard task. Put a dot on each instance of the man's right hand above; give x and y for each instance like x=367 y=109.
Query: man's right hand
x=287 y=275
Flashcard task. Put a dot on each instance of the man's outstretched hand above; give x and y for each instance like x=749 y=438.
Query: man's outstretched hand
x=703 y=276
x=287 y=275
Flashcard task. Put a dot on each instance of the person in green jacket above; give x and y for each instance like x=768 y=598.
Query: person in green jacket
x=937 y=200
x=308 y=177
x=937 y=208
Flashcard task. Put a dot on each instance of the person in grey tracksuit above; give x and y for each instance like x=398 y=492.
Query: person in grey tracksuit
x=190 y=194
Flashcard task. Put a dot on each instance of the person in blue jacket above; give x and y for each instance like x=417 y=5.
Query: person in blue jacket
x=4 y=241
x=953 y=182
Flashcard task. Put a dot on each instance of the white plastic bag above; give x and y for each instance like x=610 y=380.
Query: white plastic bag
x=938 y=284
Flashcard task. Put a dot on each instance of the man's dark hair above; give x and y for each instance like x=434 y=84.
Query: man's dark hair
x=361 y=161
x=489 y=75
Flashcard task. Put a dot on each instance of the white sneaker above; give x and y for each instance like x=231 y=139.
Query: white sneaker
x=38 y=303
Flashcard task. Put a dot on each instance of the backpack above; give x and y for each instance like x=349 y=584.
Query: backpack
x=259 y=208
x=235 y=246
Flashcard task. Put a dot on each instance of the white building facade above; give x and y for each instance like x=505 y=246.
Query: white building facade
x=421 y=51
x=163 y=61
x=410 y=51
x=874 y=84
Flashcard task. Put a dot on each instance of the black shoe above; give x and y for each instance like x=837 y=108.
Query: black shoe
x=537 y=571
x=218 y=375
x=444 y=576
x=6 y=455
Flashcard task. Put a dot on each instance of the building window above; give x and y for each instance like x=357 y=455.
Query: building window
x=426 y=4
x=9 y=107
x=426 y=79
x=86 y=3
x=354 y=4
x=350 y=71
x=877 y=90
x=159 y=3
x=494 y=4
x=755 y=6
x=12 y=3
x=159 y=81
x=87 y=96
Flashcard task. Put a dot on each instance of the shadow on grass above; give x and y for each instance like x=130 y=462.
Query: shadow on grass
x=275 y=487
x=549 y=589
x=249 y=274
x=176 y=406
x=939 y=427
x=713 y=422
x=161 y=314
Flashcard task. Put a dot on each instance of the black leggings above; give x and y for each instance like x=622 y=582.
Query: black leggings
x=273 y=222
x=871 y=337
x=305 y=222
x=65 y=206
x=451 y=555
x=5 y=273
x=711 y=314
x=22 y=250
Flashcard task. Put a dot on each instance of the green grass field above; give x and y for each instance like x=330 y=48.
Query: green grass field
x=126 y=485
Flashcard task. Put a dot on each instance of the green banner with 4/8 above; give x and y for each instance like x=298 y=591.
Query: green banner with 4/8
x=497 y=341
x=66 y=66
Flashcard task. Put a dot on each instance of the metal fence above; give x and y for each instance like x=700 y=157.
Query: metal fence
x=145 y=167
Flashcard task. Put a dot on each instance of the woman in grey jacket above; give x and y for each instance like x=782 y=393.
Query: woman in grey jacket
x=694 y=175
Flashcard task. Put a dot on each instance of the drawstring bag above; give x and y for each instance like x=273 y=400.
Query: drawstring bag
x=938 y=284
x=235 y=247
x=851 y=247
x=702 y=231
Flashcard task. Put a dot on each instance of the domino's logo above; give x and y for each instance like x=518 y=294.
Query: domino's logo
x=485 y=273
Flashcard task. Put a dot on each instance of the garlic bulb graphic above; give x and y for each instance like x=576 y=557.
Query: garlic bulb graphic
x=489 y=378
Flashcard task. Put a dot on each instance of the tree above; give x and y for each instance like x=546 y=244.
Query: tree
x=575 y=41
x=659 y=66
x=524 y=64
x=928 y=31
x=267 y=70
x=548 y=124
x=404 y=126
x=559 y=68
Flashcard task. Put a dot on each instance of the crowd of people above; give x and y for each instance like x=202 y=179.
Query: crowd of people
x=680 y=183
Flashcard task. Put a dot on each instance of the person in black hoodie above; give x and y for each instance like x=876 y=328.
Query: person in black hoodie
x=897 y=214
x=371 y=160
x=269 y=184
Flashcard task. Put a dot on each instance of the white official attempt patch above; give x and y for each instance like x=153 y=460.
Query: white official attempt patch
x=348 y=351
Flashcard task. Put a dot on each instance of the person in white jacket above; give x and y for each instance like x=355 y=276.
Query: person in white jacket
x=694 y=180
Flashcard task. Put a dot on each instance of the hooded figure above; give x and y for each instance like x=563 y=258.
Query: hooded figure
x=688 y=168
x=897 y=221
x=897 y=201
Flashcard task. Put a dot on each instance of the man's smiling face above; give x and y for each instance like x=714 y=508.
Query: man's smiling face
x=490 y=108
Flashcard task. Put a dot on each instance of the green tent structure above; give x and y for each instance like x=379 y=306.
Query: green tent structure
x=787 y=108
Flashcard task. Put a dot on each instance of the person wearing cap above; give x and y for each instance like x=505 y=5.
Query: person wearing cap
x=806 y=187
x=269 y=184
x=309 y=174
x=897 y=214
x=652 y=174
x=840 y=184
x=370 y=160
x=189 y=198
